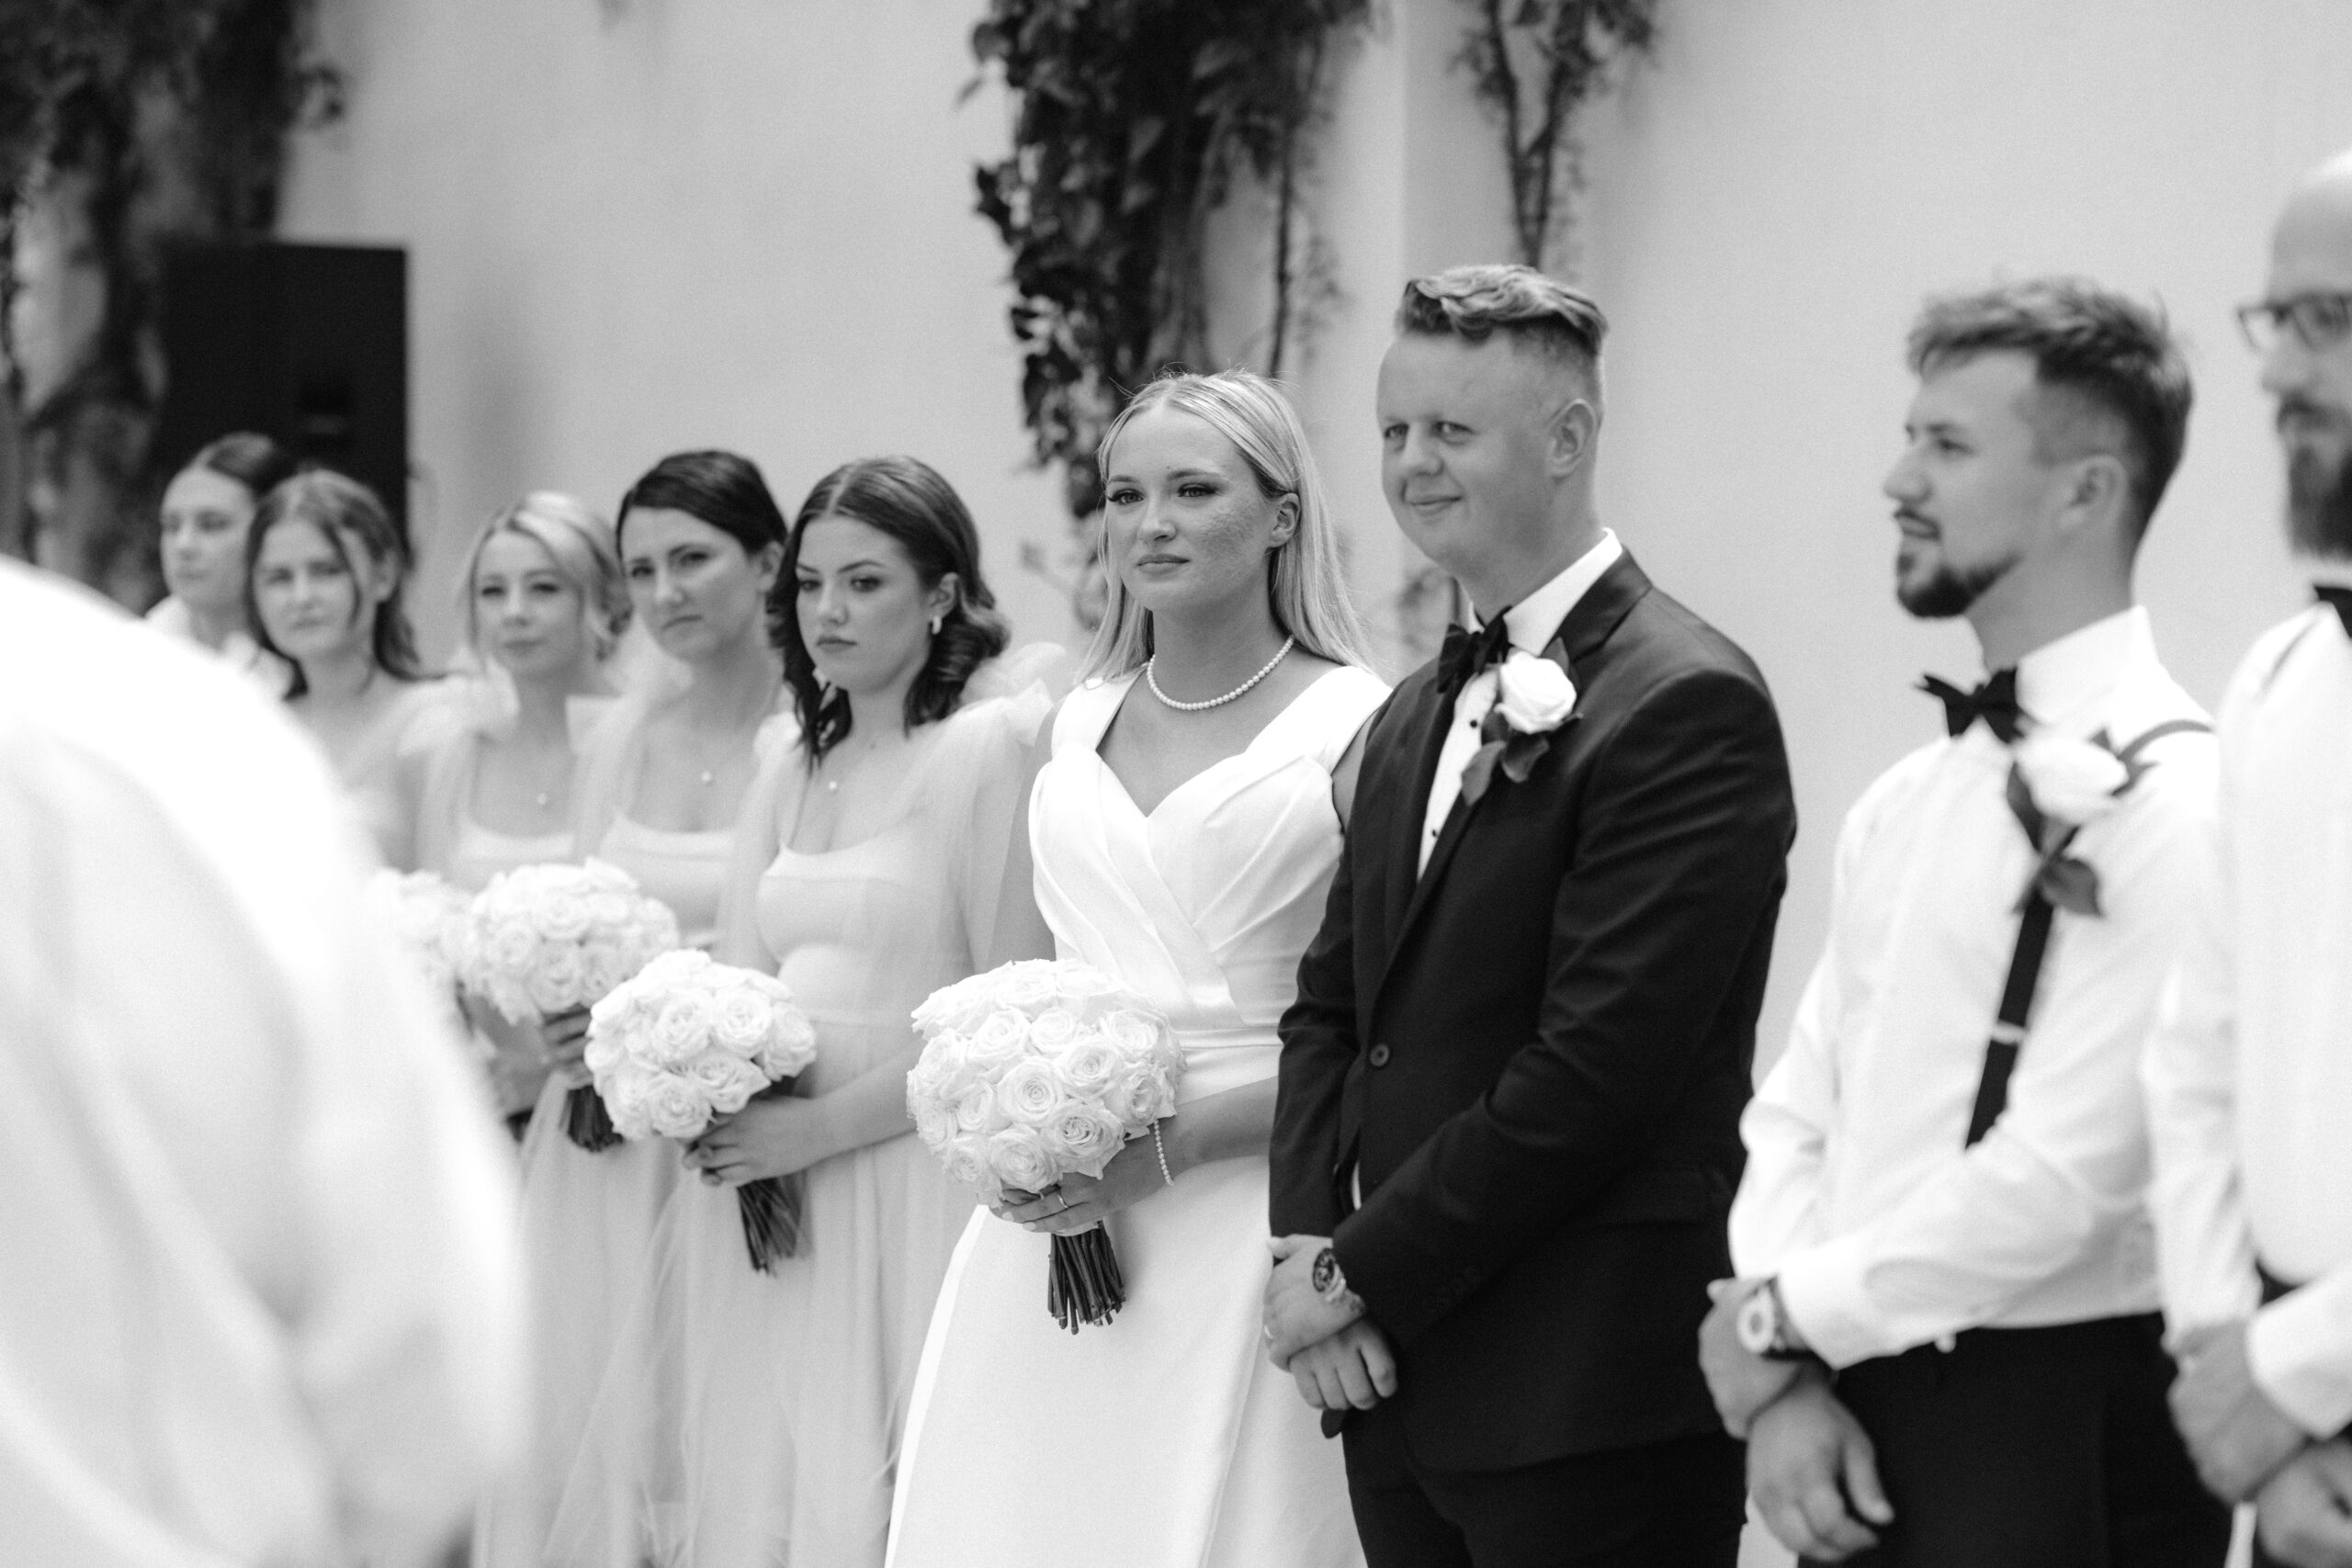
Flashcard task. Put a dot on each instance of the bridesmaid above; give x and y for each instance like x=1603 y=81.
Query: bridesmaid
x=659 y=786
x=208 y=507
x=871 y=873
x=1184 y=834
x=325 y=566
x=541 y=603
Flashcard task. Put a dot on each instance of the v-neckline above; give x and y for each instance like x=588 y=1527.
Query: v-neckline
x=1094 y=748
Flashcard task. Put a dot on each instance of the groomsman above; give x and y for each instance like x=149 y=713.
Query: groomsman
x=1943 y=1345
x=2250 y=1077
x=1507 y=1132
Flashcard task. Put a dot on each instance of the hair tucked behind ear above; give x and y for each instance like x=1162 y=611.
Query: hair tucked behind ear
x=908 y=500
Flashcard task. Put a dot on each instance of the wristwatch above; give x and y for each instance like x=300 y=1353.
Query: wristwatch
x=1762 y=1325
x=1325 y=1276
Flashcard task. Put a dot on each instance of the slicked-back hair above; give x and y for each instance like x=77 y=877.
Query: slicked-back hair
x=1540 y=312
x=913 y=503
x=721 y=489
x=2101 y=354
x=252 y=460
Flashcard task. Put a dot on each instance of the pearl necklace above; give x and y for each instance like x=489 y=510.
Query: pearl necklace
x=1267 y=669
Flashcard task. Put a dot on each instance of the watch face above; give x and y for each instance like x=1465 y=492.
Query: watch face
x=1325 y=1270
x=1757 y=1324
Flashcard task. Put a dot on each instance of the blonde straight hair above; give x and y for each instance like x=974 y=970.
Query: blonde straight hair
x=1306 y=585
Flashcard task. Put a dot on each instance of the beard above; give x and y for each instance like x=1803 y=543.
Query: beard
x=1948 y=590
x=2319 y=504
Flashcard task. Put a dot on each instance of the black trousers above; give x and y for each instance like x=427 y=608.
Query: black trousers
x=1670 y=1504
x=2035 y=1448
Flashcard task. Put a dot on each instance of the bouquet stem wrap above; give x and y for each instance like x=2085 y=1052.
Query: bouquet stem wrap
x=687 y=1042
x=1032 y=1072
x=586 y=1123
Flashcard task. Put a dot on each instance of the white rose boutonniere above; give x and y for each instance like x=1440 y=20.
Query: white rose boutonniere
x=1534 y=698
x=2059 y=785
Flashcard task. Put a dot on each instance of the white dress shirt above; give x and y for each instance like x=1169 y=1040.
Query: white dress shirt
x=2249 y=1077
x=1534 y=621
x=1886 y=1232
x=258 y=1305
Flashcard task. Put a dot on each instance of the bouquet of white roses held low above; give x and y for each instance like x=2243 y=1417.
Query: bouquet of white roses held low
x=1033 y=1071
x=427 y=919
x=542 y=940
x=687 y=1040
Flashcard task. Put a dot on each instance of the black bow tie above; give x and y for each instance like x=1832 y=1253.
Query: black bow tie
x=1467 y=652
x=2341 y=598
x=1994 y=702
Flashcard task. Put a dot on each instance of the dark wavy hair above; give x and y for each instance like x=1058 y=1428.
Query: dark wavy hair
x=342 y=510
x=721 y=489
x=252 y=460
x=908 y=500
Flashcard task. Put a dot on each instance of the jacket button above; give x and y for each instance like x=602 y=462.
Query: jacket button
x=1380 y=1055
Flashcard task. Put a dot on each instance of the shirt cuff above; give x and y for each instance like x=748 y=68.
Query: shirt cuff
x=2293 y=1349
x=1821 y=1288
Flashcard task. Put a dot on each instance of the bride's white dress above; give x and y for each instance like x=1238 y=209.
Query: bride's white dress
x=1165 y=1437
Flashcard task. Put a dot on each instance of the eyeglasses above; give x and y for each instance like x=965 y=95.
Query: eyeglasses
x=2317 y=321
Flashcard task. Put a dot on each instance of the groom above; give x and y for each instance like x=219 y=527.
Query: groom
x=1508 y=1130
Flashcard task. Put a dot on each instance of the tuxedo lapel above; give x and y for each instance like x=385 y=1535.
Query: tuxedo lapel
x=1411 y=889
x=1424 y=739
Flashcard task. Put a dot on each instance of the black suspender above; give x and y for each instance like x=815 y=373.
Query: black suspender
x=2025 y=970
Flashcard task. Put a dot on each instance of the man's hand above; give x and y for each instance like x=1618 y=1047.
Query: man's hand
x=1741 y=1382
x=1352 y=1367
x=1814 y=1473
x=2304 y=1513
x=2236 y=1435
x=1296 y=1314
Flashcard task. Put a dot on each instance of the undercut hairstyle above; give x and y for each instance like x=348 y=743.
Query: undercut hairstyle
x=252 y=460
x=2107 y=375
x=580 y=542
x=910 y=502
x=1306 y=586
x=717 y=487
x=345 y=512
x=1555 y=320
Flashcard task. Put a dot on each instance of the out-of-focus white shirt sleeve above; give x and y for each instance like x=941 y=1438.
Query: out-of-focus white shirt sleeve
x=261 y=1304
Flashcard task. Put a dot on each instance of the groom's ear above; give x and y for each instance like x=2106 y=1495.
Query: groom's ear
x=1576 y=430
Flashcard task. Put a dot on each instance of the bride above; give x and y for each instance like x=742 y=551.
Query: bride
x=1184 y=832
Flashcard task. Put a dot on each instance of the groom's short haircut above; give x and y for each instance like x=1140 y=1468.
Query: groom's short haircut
x=2108 y=376
x=1536 y=313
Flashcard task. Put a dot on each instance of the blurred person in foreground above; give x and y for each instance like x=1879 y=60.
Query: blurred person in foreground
x=259 y=1307
x=1943 y=1348
x=2249 y=1077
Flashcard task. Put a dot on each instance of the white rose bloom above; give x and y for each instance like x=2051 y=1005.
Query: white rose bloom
x=681 y=1029
x=741 y=1020
x=791 y=1044
x=1089 y=1068
x=1084 y=1138
x=1017 y=1158
x=677 y=1107
x=934 y=1125
x=1536 y=694
x=967 y=1160
x=2072 y=780
x=727 y=1078
x=1029 y=1093
x=1053 y=1029
x=1029 y=986
x=555 y=980
x=1002 y=1040
x=976 y=1110
x=508 y=947
x=564 y=917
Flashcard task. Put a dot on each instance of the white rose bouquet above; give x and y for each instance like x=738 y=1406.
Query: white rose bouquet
x=687 y=1040
x=427 y=919
x=1033 y=1071
x=541 y=940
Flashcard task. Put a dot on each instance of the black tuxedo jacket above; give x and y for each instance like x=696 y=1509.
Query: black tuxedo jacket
x=1537 y=1050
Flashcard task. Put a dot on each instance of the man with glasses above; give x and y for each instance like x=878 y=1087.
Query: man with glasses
x=2249 y=1075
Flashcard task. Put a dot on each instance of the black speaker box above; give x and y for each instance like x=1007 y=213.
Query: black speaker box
x=307 y=343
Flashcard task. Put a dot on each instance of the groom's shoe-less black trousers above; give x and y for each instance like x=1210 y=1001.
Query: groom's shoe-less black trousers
x=2034 y=1448
x=1671 y=1505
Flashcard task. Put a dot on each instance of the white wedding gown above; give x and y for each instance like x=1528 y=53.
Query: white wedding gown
x=1165 y=1437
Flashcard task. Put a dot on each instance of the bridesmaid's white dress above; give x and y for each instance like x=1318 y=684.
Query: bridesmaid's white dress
x=1164 y=1438
x=752 y=1420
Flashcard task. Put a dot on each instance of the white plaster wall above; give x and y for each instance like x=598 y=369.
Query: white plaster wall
x=640 y=225
x=1770 y=199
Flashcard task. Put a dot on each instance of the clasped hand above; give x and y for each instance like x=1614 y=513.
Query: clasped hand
x=2237 y=1437
x=1338 y=1357
x=774 y=1134
x=1079 y=1202
x=563 y=1036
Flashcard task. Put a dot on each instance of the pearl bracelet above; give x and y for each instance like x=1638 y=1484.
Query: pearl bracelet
x=1161 y=1150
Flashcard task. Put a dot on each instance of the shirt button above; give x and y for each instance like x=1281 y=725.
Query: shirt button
x=1380 y=1055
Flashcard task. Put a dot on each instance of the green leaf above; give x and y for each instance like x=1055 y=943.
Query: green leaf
x=2070 y=884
